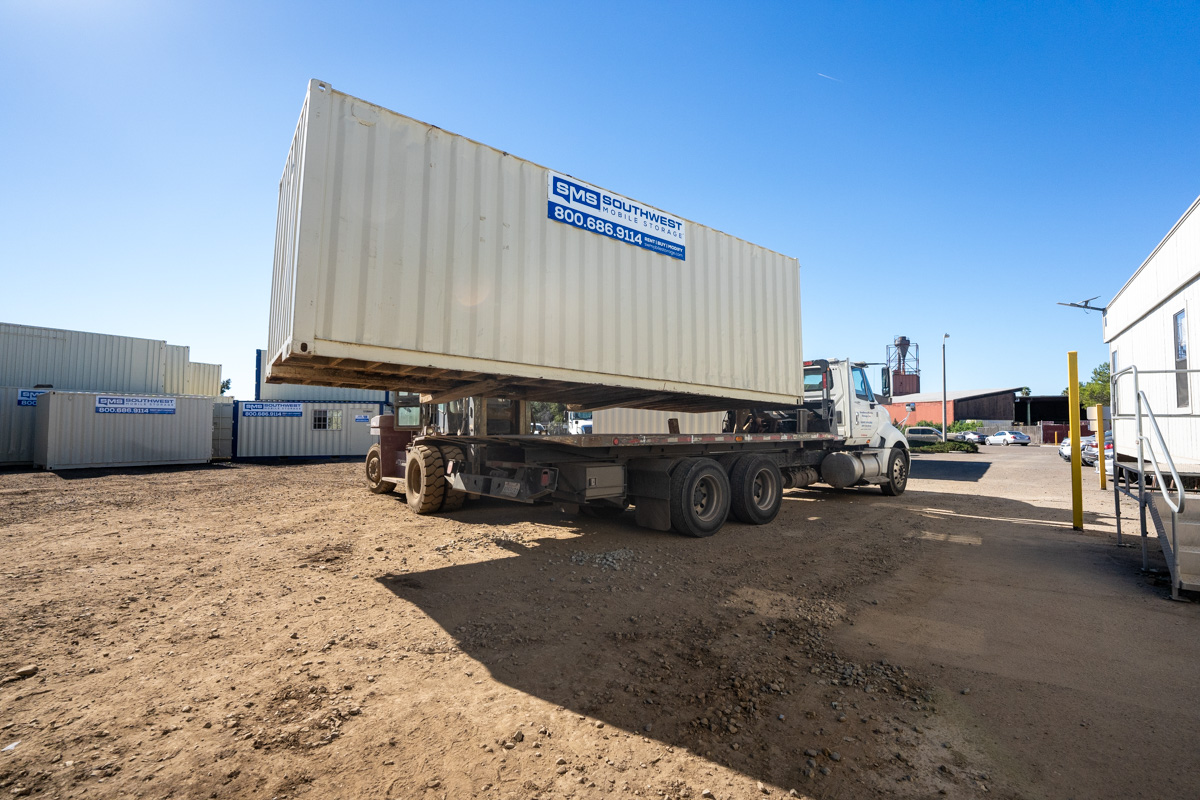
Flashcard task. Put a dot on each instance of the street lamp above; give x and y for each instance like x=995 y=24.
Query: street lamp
x=945 y=336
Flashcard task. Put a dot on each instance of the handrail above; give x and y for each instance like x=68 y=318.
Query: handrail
x=1142 y=403
x=1178 y=506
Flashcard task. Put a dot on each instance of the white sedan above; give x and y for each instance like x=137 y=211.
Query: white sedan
x=1008 y=437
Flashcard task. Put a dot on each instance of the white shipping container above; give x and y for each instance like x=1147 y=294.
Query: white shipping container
x=203 y=379
x=294 y=391
x=640 y=420
x=77 y=360
x=18 y=419
x=411 y=258
x=303 y=430
x=175 y=369
x=78 y=429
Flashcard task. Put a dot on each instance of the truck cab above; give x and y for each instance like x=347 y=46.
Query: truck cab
x=579 y=423
x=838 y=392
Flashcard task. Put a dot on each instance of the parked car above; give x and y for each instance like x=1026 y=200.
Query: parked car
x=1090 y=452
x=1064 y=447
x=1008 y=437
x=975 y=437
x=922 y=435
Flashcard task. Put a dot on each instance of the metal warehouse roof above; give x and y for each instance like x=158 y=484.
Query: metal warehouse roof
x=936 y=397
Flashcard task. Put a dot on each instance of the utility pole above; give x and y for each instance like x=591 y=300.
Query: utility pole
x=945 y=336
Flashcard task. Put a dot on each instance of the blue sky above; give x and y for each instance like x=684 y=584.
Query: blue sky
x=935 y=167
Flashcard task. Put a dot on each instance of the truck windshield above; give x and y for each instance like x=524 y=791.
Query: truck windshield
x=581 y=414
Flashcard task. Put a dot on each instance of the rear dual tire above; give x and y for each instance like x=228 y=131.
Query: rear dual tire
x=756 y=486
x=700 y=497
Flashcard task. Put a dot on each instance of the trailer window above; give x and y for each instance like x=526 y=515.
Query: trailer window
x=324 y=419
x=1181 y=377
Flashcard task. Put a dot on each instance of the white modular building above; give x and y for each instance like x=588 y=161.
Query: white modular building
x=309 y=429
x=1155 y=393
x=76 y=430
x=1146 y=326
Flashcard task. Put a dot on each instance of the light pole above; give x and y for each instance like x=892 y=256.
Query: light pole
x=945 y=336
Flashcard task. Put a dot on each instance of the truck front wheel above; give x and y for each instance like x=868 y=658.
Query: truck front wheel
x=757 y=489
x=425 y=479
x=375 y=481
x=700 y=497
x=897 y=473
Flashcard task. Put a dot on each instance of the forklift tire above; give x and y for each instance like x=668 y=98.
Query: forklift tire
x=425 y=479
x=700 y=497
x=757 y=489
x=375 y=481
x=897 y=473
x=454 y=499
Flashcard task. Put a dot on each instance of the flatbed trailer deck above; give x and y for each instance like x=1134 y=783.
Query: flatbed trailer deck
x=686 y=482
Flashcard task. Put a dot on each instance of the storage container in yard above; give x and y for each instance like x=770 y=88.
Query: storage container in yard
x=18 y=419
x=80 y=361
x=88 y=429
x=303 y=430
x=415 y=259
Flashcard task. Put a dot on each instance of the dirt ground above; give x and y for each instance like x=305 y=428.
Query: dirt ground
x=278 y=631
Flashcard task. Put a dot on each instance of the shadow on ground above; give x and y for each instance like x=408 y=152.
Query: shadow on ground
x=718 y=645
x=943 y=469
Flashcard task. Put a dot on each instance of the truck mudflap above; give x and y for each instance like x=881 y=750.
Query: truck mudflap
x=525 y=484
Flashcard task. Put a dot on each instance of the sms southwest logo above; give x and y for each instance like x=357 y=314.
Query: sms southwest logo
x=584 y=206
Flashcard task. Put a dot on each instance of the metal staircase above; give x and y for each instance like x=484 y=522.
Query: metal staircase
x=1161 y=500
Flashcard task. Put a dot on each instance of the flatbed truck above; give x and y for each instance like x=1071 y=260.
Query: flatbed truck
x=841 y=435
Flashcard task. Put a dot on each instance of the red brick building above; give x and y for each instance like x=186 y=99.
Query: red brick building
x=997 y=406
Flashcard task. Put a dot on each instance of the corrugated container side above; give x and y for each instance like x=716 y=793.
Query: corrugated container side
x=17 y=426
x=296 y=391
x=402 y=244
x=638 y=420
x=276 y=437
x=203 y=379
x=77 y=360
x=222 y=430
x=287 y=229
x=175 y=369
x=70 y=433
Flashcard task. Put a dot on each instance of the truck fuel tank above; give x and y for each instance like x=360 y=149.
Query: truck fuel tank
x=843 y=469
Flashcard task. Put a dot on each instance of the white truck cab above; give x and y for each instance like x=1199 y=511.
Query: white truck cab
x=859 y=416
x=579 y=423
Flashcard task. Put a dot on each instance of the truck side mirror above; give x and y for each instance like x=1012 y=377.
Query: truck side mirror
x=885 y=383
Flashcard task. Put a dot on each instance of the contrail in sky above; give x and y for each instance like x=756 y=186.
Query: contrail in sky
x=823 y=75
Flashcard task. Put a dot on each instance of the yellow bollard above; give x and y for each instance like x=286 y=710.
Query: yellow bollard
x=1100 y=445
x=1076 y=464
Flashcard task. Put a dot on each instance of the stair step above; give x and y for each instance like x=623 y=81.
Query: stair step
x=1188 y=559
